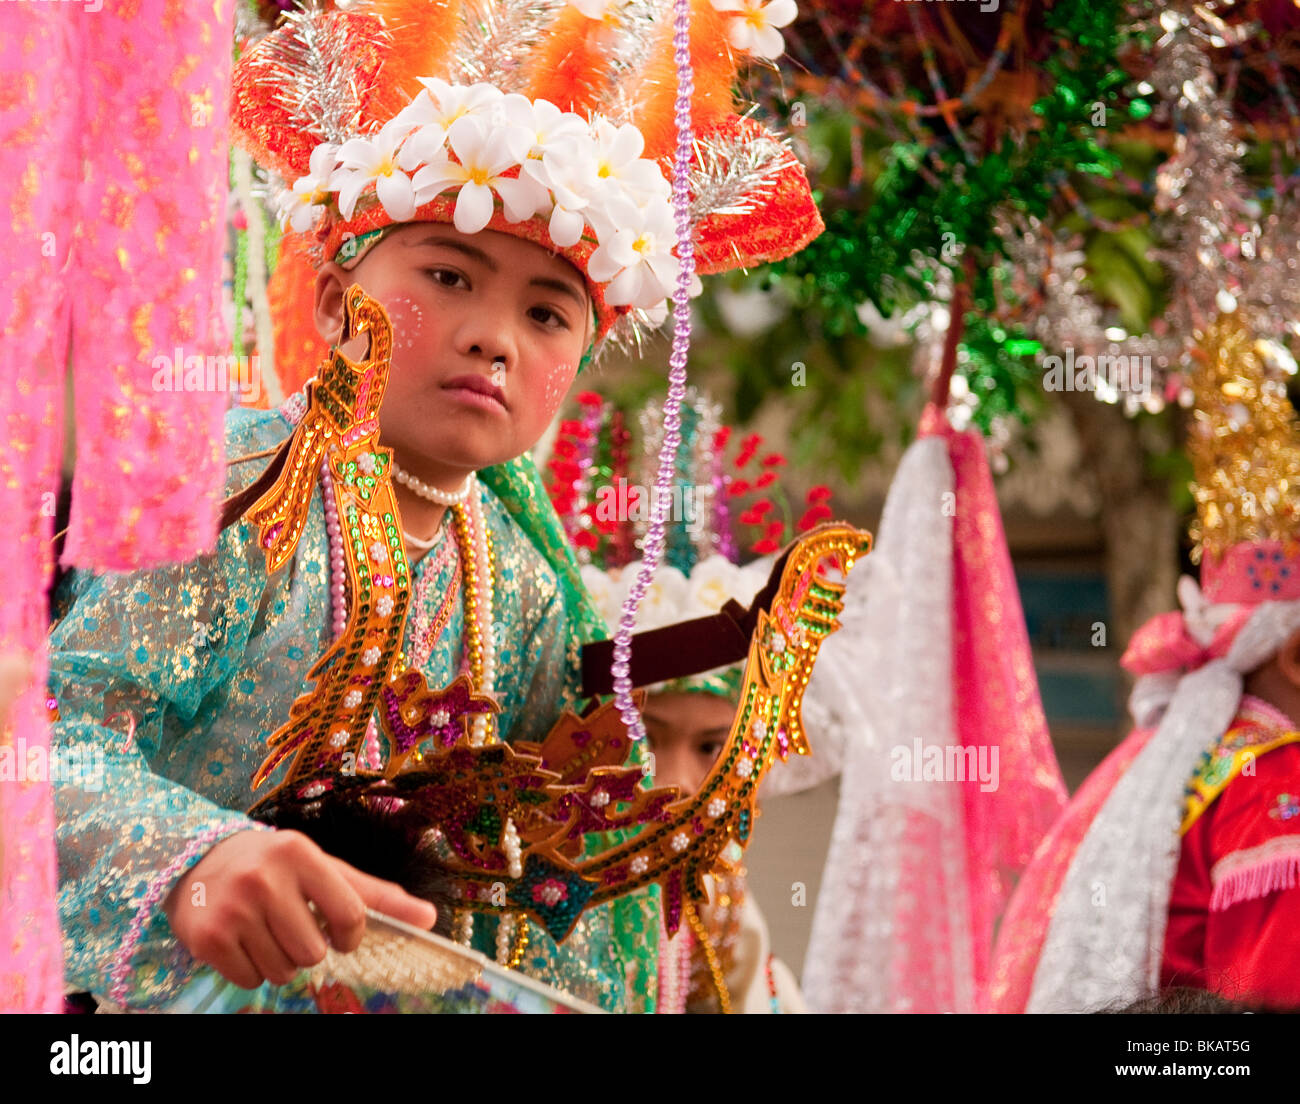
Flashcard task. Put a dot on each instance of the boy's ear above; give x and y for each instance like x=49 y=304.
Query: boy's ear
x=332 y=280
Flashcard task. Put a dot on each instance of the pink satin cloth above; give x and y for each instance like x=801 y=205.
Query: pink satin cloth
x=113 y=122
x=995 y=699
x=1164 y=644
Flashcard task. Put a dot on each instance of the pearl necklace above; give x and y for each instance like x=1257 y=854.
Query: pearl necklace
x=433 y=494
x=422 y=545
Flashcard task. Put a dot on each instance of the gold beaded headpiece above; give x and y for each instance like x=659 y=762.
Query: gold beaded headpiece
x=1245 y=452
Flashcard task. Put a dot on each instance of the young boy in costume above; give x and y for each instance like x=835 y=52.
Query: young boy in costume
x=1175 y=865
x=504 y=235
x=720 y=958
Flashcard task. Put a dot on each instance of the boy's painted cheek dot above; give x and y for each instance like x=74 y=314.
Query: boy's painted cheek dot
x=558 y=380
x=407 y=318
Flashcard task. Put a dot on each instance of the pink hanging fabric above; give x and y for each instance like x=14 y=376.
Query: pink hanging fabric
x=113 y=123
x=995 y=700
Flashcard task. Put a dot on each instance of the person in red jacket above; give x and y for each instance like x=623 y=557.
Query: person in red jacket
x=1176 y=864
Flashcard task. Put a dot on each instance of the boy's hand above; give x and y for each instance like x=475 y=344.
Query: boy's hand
x=253 y=923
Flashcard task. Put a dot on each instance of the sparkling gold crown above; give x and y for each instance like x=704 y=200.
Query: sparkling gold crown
x=1243 y=443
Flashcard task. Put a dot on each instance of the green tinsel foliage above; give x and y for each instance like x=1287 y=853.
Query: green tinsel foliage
x=930 y=208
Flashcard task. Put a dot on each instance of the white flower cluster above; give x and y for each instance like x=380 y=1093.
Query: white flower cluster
x=578 y=173
x=752 y=31
x=673 y=596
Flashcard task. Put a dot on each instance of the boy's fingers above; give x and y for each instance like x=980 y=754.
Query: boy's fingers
x=391 y=899
x=297 y=931
x=339 y=904
x=235 y=966
x=267 y=957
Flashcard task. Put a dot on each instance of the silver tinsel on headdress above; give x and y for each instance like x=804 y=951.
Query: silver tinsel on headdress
x=730 y=176
x=314 y=75
x=494 y=34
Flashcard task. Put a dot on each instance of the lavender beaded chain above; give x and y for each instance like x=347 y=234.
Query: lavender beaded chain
x=655 y=536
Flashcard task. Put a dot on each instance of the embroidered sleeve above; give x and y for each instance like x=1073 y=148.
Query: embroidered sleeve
x=1256 y=840
x=137 y=666
x=129 y=666
x=1252 y=935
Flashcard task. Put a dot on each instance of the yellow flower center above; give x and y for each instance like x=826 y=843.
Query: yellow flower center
x=642 y=244
x=385 y=167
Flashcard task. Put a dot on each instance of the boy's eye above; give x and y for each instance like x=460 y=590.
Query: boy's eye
x=558 y=323
x=711 y=748
x=439 y=275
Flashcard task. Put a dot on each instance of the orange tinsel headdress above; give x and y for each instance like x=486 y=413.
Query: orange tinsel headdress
x=546 y=119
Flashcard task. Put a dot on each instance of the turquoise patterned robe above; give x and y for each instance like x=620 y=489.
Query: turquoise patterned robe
x=203 y=661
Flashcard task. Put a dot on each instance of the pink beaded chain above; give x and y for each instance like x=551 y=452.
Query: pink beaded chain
x=655 y=536
x=674 y=970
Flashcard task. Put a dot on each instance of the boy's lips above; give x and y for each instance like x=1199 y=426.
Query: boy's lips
x=479 y=385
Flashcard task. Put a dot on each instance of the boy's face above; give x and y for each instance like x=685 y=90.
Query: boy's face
x=686 y=731
x=458 y=302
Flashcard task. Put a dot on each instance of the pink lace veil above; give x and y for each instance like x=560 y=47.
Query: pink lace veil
x=919 y=872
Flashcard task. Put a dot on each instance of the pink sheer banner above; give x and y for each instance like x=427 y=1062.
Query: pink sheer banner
x=113 y=122
x=995 y=699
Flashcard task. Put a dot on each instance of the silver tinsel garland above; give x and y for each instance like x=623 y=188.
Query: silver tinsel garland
x=314 y=74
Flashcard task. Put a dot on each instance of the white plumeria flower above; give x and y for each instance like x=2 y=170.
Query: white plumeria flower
x=302 y=207
x=364 y=160
x=655 y=315
x=636 y=258
x=755 y=29
x=569 y=172
x=619 y=161
x=483 y=156
x=433 y=111
x=601 y=588
x=538 y=126
x=598 y=9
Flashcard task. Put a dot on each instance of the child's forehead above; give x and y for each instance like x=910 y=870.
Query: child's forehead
x=409 y=245
x=506 y=250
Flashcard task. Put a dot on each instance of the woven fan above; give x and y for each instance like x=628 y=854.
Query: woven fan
x=397 y=958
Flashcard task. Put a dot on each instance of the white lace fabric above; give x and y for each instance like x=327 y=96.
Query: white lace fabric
x=890 y=932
